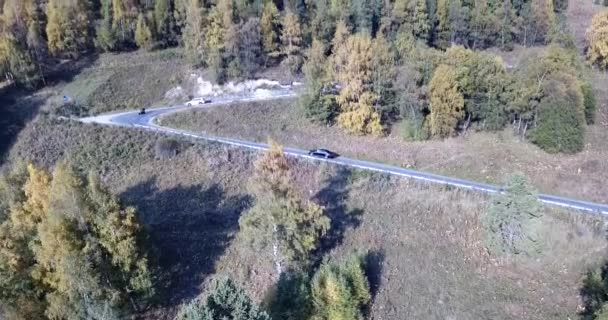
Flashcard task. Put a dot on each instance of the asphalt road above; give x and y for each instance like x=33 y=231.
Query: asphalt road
x=133 y=119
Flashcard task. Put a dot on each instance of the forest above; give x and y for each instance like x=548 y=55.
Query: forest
x=416 y=60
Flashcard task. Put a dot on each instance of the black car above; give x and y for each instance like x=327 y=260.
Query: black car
x=323 y=153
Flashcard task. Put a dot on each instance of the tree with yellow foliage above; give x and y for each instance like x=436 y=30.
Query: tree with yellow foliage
x=280 y=220
x=354 y=66
x=597 y=36
x=99 y=264
x=446 y=102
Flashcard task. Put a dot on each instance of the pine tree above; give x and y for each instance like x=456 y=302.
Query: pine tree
x=193 y=36
x=513 y=220
x=543 y=19
x=250 y=47
x=353 y=62
x=317 y=105
x=214 y=42
x=143 y=34
x=597 y=36
x=446 y=102
x=270 y=27
x=291 y=38
x=226 y=301
x=340 y=36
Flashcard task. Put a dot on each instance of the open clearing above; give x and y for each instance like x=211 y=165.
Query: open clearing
x=479 y=156
x=430 y=258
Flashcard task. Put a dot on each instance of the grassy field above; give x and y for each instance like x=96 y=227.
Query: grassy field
x=430 y=261
x=481 y=156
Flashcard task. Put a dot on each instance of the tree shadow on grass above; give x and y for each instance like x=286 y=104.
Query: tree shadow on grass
x=374 y=264
x=189 y=227
x=333 y=197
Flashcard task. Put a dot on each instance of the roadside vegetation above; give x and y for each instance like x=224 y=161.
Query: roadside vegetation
x=482 y=156
x=409 y=244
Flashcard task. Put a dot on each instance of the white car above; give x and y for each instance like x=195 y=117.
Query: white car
x=197 y=101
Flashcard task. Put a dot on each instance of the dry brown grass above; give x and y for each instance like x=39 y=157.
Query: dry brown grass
x=428 y=238
x=481 y=156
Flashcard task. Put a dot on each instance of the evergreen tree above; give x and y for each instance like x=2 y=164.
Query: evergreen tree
x=422 y=25
x=226 y=301
x=270 y=27
x=317 y=105
x=513 y=220
x=214 y=42
x=291 y=38
x=143 y=34
x=446 y=102
x=561 y=116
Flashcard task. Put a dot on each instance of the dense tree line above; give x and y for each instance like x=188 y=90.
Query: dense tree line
x=236 y=37
x=68 y=249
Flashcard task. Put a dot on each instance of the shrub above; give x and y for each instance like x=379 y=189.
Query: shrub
x=597 y=36
x=413 y=129
x=292 y=300
x=166 y=148
x=512 y=222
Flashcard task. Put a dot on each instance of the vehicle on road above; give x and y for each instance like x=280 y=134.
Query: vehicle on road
x=323 y=153
x=197 y=101
x=142 y=111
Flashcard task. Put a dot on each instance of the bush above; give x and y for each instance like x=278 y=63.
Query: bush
x=413 y=129
x=292 y=300
x=166 y=148
x=512 y=222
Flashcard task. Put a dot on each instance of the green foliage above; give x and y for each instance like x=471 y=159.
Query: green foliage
x=561 y=116
x=225 y=301
x=292 y=300
x=590 y=103
x=317 y=105
x=17 y=63
x=413 y=129
x=340 y=291
x=513 y=220
x=446 y=102
x=280 y=221
x=99 y=265
x=164 y=21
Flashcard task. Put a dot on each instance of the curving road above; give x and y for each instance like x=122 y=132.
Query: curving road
x=133 y=119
